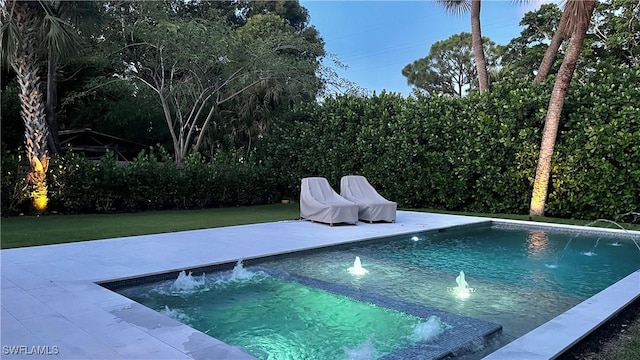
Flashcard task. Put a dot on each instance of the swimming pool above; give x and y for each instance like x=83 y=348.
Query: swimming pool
x=518 y=278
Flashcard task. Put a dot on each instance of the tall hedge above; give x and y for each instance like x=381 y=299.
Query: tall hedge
x=150 y=182
x=477 y=153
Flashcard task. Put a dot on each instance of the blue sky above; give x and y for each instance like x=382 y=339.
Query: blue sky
x=376 y=39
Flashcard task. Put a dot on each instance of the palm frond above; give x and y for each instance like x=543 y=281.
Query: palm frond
x=60 y=37
x=10 y=38
x=456 y=7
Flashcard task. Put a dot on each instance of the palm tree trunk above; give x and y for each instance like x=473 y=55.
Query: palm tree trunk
x=32 y=104
x=478 y=50
x=552 y=50
x=556 y=102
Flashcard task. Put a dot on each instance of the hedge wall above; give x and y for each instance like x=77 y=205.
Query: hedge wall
x=150 y=182
x=477 y=153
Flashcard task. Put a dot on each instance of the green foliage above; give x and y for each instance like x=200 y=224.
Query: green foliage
x=521 y=57
x=614 y=36
x=477 y=153
x=151 y=182
x=449 y=69
x=15 y=189
x=598 y=163
x=12 y=129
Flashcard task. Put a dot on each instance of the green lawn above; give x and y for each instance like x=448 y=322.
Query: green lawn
x=626 y=346
x=53 y=229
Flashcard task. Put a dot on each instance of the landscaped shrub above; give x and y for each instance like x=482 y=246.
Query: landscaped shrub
x=15 y=189
x=476 y=153
x=151 y=180
x=597 y=166
x=72 y=183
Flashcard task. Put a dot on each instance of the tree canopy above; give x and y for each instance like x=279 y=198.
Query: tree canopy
x=523 y=54
x=449 y=69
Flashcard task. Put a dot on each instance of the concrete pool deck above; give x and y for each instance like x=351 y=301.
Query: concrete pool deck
x=52 y=306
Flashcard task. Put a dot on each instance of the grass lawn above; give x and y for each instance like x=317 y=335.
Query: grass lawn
x=53 y=229
x=625 y=346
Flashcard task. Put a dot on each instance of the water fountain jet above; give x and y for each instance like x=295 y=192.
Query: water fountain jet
x=462 y=291
x=619 y=226
x=357 y=269
x=592 y=251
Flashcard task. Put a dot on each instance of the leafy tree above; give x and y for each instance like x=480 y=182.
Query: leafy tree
x=522 y=56
x=614 y=35
x=295 y=15
x=449 y=69
x=294 y=61
x=197 y=65
x=579 y=14
x=473 y=6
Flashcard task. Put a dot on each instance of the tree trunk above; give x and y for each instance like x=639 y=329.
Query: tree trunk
x=556 y=102
x=52 y=103
x=478 y=50
x=32 y=104
x=552 y=50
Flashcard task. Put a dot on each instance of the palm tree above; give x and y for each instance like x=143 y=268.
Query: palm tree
x=462 y=6
x=552 y=50
x=578 y=17
x=26 y=26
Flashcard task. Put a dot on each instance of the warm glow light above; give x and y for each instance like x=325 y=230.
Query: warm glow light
x=39 y=197
x=537 y=242
x=537 y=204
x=40 y=202
x=37 y=177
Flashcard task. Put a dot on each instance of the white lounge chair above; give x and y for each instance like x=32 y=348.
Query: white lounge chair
x=371 y=205
x=319 y=202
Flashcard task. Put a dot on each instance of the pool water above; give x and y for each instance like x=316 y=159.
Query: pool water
x=276 y=319
x=516 y=277
x=519 y=278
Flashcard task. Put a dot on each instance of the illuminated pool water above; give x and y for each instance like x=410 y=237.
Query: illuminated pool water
x=273 y=318
x=518 y=278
